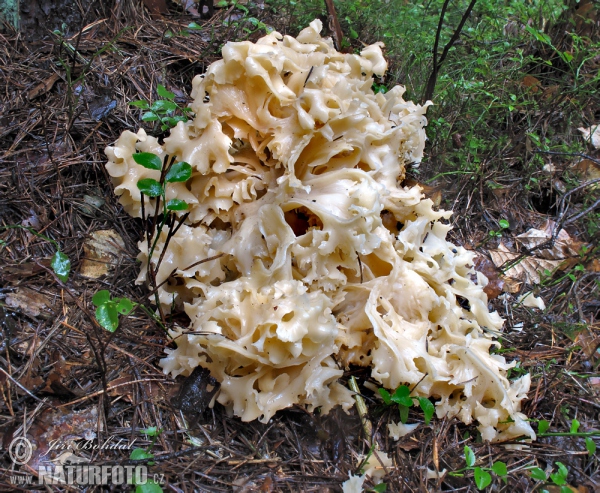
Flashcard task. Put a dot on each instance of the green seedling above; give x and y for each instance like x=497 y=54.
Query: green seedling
x=590 y=445
x=504 y=224
x=404 y=400
x=481 y=475
x=558 y=478
x=165 y=110
x=149 y=486
x=108 y=310
x=60 y=263
x=380 y=488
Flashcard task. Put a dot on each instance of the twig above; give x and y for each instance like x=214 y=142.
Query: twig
x=428 y=93
x=361 y=408
x=334 y=25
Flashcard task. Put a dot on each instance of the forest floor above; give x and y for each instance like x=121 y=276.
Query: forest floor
x=64 y=98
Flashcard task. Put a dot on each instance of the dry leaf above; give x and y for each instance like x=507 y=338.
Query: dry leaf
x=511 y=285
x=593 y=266
x=495 y=284
x=589 y=170
x=102 y=249
x=589 y=344
x=528 y=269
x=564 y=246
x=123 y=387
x=43 y=87
x=58 y=427
x=531 y=82
x=591 y=134
x=29 y=302
x=156 y=6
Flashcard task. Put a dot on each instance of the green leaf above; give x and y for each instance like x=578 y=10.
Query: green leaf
x=504 y=224
x=482 y=478
x=150 y=187
x=140 y=453
x=380 y=488
x=538 y=474
x=427 y=407
x=565 y=489
x=403 y=413
x=543 y=426
x=172 y=121
x=469 y=456
x=177 y=205
x=590 y=445
x=179 y=172
x=107 y=316
x=402 y=396
x=499 y=468
x=560 y=477
x=149 y=116
x=385 y=395
x=574 y=426
x=151 y=431
x=162 y=106
x=124 y=306
x=164 y=93
x=566 y=56
x=101 y=297
x=148 y=160
x=148 y=487
x=353 y=34
x=61 y=265
x=140 y=104
x=194 y=25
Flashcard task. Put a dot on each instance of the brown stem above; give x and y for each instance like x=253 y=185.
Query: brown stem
x=334 y=25
x=429 y=89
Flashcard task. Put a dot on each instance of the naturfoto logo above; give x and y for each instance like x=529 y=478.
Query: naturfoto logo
x=69 y=468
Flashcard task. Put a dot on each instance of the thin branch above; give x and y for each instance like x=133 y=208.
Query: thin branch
x=334 y=25
x=431 y=82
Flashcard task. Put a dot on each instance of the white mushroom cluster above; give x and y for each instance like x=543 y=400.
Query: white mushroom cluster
x=326 y=259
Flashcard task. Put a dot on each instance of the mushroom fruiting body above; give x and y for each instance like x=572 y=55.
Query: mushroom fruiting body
x=328 y=261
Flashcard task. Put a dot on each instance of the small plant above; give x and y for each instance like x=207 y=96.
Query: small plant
x=163 y=110
x=482 y=475
x=558 y=478
x=504 y=224
x=60 y=263
x=148 y=486
x=109 y=309
x=402 y=397
x=590 y=445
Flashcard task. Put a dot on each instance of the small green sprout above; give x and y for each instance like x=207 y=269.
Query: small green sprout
x=590 y=445
x=163 y=110
x=109 y=309
x=148 y=486
x=504 y=224
x=60 y=263
x=481 y=475
x=402 y=397
x=558 y=478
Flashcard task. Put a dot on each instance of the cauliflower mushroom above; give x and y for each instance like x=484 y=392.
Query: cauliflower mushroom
x=327 y=260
